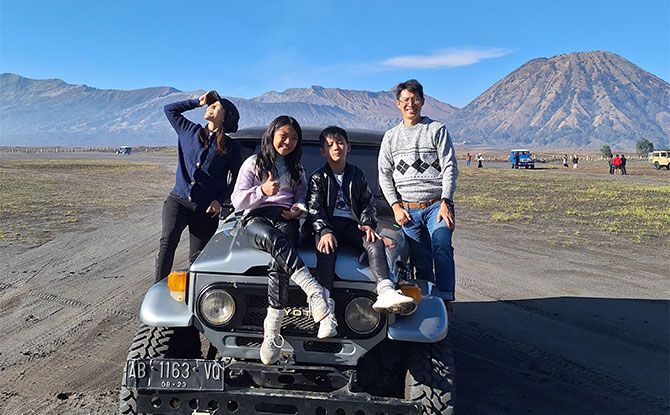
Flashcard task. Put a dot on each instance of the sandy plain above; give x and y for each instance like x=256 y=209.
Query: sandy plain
x=550 y=318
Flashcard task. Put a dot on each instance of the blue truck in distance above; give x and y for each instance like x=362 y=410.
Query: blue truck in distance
x=525 y=158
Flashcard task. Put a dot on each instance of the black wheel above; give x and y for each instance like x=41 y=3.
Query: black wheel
x=656 y=165
x=380 y=373
x=430 y=377
x=153 y=342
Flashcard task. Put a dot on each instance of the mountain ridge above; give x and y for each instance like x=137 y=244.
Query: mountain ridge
x=579 y=99
x=582 y=99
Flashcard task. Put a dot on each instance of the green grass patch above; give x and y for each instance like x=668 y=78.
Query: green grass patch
x=505 y=216
x=579 y=204
x=43 y=196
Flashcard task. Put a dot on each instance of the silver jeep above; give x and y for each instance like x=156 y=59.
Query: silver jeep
x=377 y=364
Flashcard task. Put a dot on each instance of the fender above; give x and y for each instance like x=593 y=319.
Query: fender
x=428 y=324
x=160 y=310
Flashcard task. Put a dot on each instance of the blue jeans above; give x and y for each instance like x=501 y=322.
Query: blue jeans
x=430 y=246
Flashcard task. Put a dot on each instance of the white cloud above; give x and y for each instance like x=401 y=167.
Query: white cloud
x=446 y=58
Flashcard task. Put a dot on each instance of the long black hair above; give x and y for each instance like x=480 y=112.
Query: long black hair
x=265 y=161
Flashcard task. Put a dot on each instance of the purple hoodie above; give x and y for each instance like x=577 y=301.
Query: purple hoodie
x=247 y=193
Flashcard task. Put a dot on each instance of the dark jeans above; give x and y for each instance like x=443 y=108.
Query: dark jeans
x=177 y=215
x=347 y=233
x=270 y=232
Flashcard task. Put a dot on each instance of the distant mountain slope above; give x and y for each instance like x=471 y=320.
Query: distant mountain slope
x=52 y=112
x=579 y=99
x=572 y=100
x=370 y=109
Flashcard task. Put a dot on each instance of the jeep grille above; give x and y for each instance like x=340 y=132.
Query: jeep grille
x=252 y=307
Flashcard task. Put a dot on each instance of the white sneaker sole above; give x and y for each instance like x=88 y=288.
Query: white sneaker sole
x=398 y=308
x=327 y=335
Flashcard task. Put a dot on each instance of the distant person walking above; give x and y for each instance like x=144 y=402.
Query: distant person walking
x=565 y=160
x=468 y=159
x=480 y=160
x=616 y=161
x=623 y=164
x=611 y=163
x=515 y=160
x=575 y=160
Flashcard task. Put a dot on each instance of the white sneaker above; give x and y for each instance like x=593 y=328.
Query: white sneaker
x=318 y=304
x=272 y=338
x=328 y=326
x=316 y=295
x=271 y=349
x=391 y=301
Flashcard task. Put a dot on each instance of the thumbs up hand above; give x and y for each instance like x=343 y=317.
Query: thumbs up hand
x=271 y=186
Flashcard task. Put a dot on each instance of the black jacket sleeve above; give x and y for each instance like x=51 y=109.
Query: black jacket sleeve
x=317 y=204
x=234 y=166
x=366 y=201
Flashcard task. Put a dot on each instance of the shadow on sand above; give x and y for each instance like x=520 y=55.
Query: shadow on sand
x=563 y=355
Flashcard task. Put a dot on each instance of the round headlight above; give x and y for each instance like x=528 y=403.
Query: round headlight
x=360 y=317
x=217 y=307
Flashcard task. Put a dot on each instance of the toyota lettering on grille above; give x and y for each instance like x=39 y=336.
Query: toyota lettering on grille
x=297 y=311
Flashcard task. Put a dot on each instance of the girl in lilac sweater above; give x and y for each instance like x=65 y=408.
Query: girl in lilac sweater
x=271 y=189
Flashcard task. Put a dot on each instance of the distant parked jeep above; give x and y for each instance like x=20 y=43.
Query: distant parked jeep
x=377 y=364
x=525 y=158
x=660 y=159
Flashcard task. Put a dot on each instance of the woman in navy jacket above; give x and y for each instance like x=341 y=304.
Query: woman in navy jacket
x=206 y=171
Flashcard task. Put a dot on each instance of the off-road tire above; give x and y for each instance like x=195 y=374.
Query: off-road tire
x=430 y=377
x=153 y=342
x=149 y=342
x=657 y=166
x=379 y=372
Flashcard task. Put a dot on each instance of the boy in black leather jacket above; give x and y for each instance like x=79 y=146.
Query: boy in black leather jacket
x=342 y=211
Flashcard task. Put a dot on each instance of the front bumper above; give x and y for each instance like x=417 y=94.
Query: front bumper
x=264 y=401
x=181 y=386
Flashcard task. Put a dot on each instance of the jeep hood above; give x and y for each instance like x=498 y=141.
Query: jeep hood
x=229 y=252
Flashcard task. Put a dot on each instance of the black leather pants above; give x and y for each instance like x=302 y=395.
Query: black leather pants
x=271 y=233
x=347 y=233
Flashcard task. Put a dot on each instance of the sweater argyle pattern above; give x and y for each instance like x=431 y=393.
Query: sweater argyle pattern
x=417 y=163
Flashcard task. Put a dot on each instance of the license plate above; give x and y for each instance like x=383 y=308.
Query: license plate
x=174 y=374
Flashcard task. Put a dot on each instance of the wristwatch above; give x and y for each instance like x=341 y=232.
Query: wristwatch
x=447 y=201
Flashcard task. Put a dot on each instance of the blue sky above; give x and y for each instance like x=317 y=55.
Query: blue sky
x=456 y=49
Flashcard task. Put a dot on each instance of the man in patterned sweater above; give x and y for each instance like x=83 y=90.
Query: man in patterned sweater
x=417 y=174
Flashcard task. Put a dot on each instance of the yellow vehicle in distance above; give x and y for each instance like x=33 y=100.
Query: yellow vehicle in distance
x=660 y=158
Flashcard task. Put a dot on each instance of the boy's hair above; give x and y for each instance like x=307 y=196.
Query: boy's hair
x=332 y=131
x=412 y=86
x=265 y=161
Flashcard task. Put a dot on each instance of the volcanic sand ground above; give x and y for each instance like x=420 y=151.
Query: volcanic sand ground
x=538 y=328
